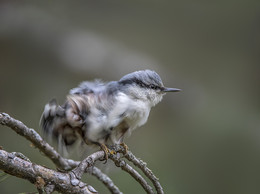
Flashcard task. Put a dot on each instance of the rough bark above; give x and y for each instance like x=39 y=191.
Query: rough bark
x=69 y=181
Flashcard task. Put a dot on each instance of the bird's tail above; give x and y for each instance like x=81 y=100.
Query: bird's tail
x=56 y=126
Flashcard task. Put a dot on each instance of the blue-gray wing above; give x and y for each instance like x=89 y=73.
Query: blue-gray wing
x=86 y=87
x=68 y=123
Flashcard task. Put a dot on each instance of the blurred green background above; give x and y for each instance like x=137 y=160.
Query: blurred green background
x=203 y=140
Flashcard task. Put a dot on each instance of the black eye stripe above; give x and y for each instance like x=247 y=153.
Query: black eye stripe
x=136 y=81
x=140 y=83
x=155 y=87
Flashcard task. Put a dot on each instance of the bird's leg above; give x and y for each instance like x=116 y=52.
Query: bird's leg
x=124 y=146
x=106 y=151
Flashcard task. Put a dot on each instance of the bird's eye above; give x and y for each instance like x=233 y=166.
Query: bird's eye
x=153 y=87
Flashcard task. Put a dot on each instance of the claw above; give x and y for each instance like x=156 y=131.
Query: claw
x=124 y=146
x=106 y=151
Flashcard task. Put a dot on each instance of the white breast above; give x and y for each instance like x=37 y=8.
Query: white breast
x=133 y=112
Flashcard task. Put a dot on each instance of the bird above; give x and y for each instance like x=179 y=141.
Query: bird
x=104 y=113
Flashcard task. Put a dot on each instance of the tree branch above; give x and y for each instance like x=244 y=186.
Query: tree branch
x=105 y=179
x=39 y=175
x=124 y=166
x=73 y=177
x=36 y=139
x=87 y=162
x=142 y=165
x=44 y=147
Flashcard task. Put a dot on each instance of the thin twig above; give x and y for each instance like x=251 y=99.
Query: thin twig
x=124 y=166
x=87 y=162
x=105 y=179
x=142 y=165
x=84 y=165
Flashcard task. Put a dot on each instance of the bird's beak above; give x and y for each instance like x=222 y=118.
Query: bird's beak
x=171 y=90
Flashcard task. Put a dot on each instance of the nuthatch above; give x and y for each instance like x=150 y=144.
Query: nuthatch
x=104 y=113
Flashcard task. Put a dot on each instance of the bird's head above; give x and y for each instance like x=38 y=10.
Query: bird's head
x=145 y=85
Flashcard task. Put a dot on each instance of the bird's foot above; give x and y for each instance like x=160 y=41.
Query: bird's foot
x=107 y=151
x=125 y=147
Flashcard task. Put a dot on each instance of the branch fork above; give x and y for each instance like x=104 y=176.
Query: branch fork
x=69 y=181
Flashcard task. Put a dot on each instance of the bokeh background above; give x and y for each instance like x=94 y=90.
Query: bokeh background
x=203 y=140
